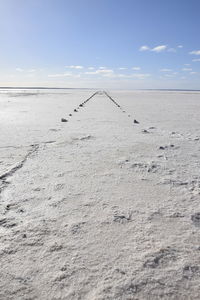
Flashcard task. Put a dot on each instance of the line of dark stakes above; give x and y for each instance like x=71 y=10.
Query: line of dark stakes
x=100 y=93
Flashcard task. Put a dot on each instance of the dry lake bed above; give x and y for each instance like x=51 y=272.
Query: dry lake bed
x=99 y=194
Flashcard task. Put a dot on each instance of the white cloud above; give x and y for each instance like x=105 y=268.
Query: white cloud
x=19 y=69
x=159 y=48
x=169 y=75
x=102 y=68
x=122 y=68
x=166 y=70
x=195 y=52
x=192 y=73
x=91 y=68
x=196 y=59
x=60 y=75
x=186 y=69
x=75 y=67
x=110 y=74
x=28 y=70
x=91 y=73
x=144 y=48
x=136 y=68
x=100 y=71
x=104 y=71
x=187 y=64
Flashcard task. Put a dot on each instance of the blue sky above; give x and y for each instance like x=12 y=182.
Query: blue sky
x=100 y=43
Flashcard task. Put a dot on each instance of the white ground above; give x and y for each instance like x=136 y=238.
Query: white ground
x=92 y=208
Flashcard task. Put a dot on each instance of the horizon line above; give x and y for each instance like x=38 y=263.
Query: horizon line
x=78 y=88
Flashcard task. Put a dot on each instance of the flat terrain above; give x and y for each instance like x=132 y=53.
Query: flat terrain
x=99 y=207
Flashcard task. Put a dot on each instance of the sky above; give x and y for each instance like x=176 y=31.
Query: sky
x=127 y=44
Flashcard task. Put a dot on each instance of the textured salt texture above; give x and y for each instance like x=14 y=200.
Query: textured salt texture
x=99 y=207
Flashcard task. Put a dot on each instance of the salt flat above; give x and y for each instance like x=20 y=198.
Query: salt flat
x=99 y=207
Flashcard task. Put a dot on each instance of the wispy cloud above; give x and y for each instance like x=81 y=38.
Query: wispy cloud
x=128 y=76
x=75 y=67
x=108 y=73
x=19 y=69
x=27 y=70
x=100 y=71
x=91 y=73
x=136 y=68
x=159 y=48
x=103 y=71
x=196 y=59
x=166 y=70
x=144 y=48
x=122 y=68
x=60 y=75
x=169 y=75
x=193 y=73
x=90 y=68
x=195 y=52
x=186 y=69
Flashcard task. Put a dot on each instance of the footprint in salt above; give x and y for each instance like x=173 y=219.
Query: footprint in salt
x=196 y=219
x=64 y=120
